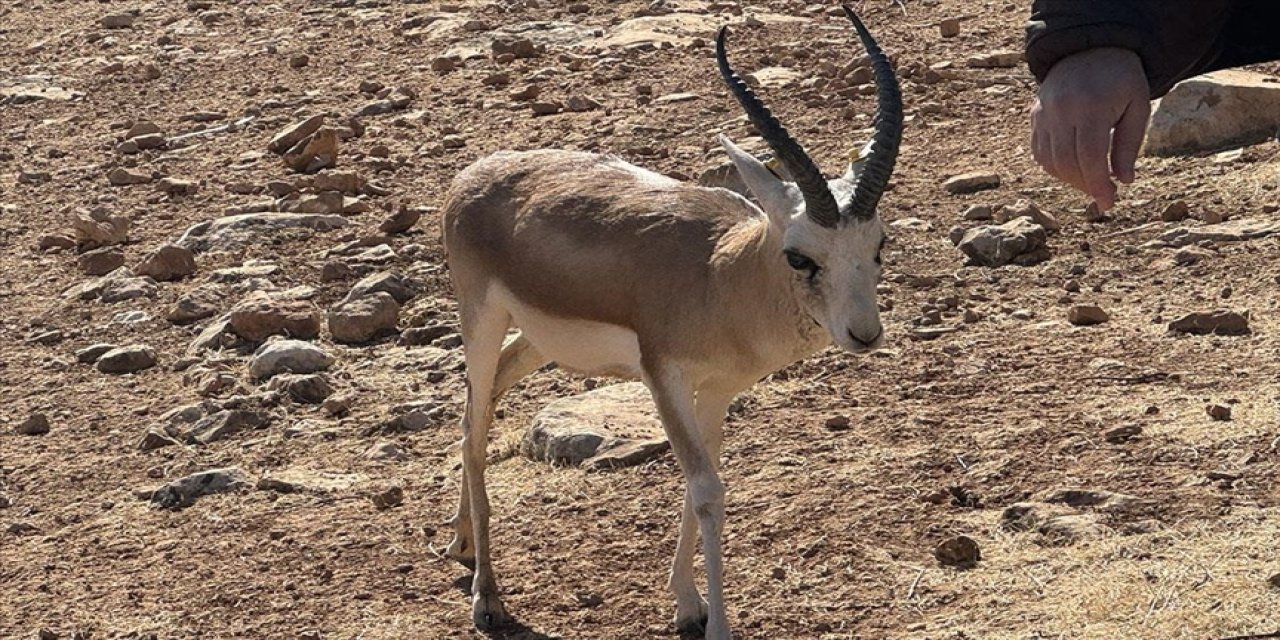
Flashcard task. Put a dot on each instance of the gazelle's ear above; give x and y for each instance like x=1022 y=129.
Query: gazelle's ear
x=856 y=162
x=778 y=199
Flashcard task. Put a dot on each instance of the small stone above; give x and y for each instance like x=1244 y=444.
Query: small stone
x=98 y=228
x=155 y=439
x=223 y=424
x=305 y=389
x=546 y=108
x=453 y=142
x=121 y=177
x=199 y=303
x=388 y=498
x=365 y=318
x=1274 y=581
x=1220 y=322
x=300 y=60
x=316 y=152
x=169 y=262
x=1084 y=315
x=127 y=359
x=288 y=356
x=1122 y=434
x=579 y=103
x=1094 y=214
x=949 y=27
x=100 y=262
x=1028 y=209
x=526 y=93
x=960 y=552
x=120 y=20
x=149 y=141
x=1019 y=241
x=177 y=187
x=35 y=425
x=1219 y=411
x=390 y=282
x=445 y=64
x=978 y=212
x=337 y=406
x=386 y=451
x=837 y=423
x=401 y=221
x=1175 y=212
x=612 y=426
x=996 y=60
x=971 y=182
x=53 y=241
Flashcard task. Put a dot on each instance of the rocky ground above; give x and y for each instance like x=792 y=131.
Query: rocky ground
x=1071 y=433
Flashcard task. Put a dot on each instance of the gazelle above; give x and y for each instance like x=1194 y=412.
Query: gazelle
x=609 y=269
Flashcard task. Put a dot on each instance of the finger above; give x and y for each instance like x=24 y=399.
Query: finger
x=1040 y=149
x=1127 y=140
x=1062 y=143
x=1091 y=153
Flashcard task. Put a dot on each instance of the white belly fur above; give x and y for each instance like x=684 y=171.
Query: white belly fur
x=593 y=348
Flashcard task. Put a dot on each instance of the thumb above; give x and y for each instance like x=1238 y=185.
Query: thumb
x=1127 y=139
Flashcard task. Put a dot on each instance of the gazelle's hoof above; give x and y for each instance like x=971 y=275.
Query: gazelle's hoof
x=487 y=612
x=462 y=552
x=694 y=626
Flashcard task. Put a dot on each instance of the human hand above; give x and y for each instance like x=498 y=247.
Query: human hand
x=1083 y=99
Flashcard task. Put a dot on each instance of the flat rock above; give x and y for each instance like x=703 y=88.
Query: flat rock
x=288 y=356
x=295 y=133
x=400 y=221
x=91 y=353
x=184 y=492
x=259 y=316
x=314 y=153
x=1019 y=241
x=1214 y=111
x=1236 y=230
x=1027 y=209
x=169 y=262
x=362 y=319
x=121 y=177
x=615 y=425
x=127 y=359
x=971 y=182
x=222 y=424
x=996 y=59
x=773 y=77
x=1223 y=322
x=386 y=451
x=241 y=230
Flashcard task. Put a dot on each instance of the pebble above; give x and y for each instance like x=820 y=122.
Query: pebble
x=92 y=353
x=100 y=262
x=949 y=27
x=388 y=498
x=960 y=552
x=120 y=20
x=36 y=424
x=401 y=221
x=288 y=356
x=1084 y=315
x=1219 y=411
x=169 y=262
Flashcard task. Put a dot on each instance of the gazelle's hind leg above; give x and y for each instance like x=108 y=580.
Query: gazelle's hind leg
x=483 y=329
x=518 y=359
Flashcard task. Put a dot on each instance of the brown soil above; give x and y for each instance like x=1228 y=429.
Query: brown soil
x=828 y=534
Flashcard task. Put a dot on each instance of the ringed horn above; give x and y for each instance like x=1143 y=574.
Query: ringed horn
x=882 y=154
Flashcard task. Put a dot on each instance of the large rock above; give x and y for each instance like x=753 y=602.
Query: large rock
x=169 y=262
x=257 y=317
x=100 y=262
x=288 y=356
x=1018 y=241
x=364 y=318
x=1213 y=111
x=613 y=426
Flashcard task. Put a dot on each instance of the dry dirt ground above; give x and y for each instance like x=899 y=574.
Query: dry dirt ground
x=830 y=531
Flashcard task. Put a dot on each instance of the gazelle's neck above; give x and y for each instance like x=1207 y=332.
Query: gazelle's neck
x=759 y=299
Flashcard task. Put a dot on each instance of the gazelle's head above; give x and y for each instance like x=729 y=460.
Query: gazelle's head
x=832 y=234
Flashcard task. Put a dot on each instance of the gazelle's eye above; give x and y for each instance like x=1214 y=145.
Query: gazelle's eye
x=801 y=262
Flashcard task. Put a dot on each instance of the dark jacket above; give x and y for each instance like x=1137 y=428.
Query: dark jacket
x=1176 y=39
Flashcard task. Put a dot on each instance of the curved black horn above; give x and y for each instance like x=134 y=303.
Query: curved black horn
x=874 y=177
x=819 y=204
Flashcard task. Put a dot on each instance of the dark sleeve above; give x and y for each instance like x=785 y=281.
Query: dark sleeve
x=1175 y=39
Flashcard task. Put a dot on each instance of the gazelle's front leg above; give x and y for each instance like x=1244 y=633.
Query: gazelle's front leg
x=710 y=406
x=705 y=493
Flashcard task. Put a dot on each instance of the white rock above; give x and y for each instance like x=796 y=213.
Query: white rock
x=1214 y=111
x=613 y=426
x=288 y=356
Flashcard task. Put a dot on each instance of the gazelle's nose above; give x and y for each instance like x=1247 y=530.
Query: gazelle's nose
x=867 y=341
